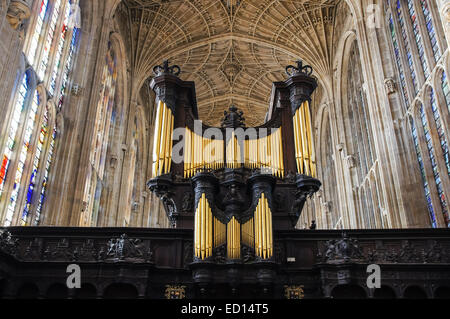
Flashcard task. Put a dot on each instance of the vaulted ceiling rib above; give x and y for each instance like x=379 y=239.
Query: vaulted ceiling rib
x=232 y=49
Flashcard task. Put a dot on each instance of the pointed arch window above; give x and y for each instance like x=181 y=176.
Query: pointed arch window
x=434 y=166
x=422 y=172
x=398 y=60
x=49 y=40
x=24 y=150
x=103 y=120
x=445 y=89
x=408 y=16
x=431 y=29
x=38 y=29
x=360 y=138
x=360 y=125
x=28 y=150
x=14 y=126
x=440 y=130
x=406 y=45
x=418 y=38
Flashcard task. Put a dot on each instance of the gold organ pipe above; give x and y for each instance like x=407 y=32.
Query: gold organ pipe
x=295 y=128
x=203 y=227
x=209 y=234
x=258 y=227
x=203 y=232
x=263 y=234
x=263 y=227
x=229 y=239
x=216 y=232
x=311 y=142
x=280 y=147
x=233 y=242
x=267 y=229
x=305 y=139
x=170 y=142
x=197 y=233
x=162 y=145
x=186 y=151
x=156 y=140
x=297 y=138
x=270 y=230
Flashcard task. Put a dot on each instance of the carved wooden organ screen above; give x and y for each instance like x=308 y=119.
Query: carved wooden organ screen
x=232 y=184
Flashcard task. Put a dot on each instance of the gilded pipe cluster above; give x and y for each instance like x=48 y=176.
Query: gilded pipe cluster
x=233 y=152
x=201 y=153
x=220 y=233
x=234 y=239
x=263 y=229
x=248 y=233
x=265 y=152
x=203 y=232
x=304 y=143
x=162 y=144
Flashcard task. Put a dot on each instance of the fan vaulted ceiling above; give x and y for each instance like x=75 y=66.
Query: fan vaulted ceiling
x=233 y=50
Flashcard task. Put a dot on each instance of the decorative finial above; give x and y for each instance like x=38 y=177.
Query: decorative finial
x=299 y=69
x=165 y=69
x=233 y=118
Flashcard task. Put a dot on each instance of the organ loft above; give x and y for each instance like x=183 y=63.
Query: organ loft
x=231 y=173
x=186 y=149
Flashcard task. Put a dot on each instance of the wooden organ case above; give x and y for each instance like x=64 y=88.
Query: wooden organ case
x=233 y=185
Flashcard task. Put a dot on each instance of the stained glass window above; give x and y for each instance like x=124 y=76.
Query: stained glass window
x=59 y=50
x=50 y=51
x=36 y=165
x=103 y=121
x=430 y=29
x=29 y=126
x=418 y=38
x=445 y=89
x=422 y=173
x=409 y=57
x=14 y=125
x=68 y=67
x=440 y=129
x=398 y=60
x=432 y=157
x=48 y=164
x=37 y=31
x=49 y=40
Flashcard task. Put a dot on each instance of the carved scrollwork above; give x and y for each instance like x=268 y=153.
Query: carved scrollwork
x=166 y=69
x=233 y=118
x=299 y=69
x=123 y=248
x=8 y=243
x=343 y=250
x=187 y=202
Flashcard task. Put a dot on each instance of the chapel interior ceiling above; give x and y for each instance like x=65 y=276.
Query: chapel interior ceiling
x=232 y=49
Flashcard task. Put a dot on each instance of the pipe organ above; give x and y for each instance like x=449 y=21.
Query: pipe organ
x=162 y=144
x=232 y=184
x=304 y=142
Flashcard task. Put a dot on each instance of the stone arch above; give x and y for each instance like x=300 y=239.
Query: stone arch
x=120 y=291
x=442 y=292
x=414 y=292
x=384 y=292
x=348 y=292
x=28 y=291
x=87 y=291
x=57 y=291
